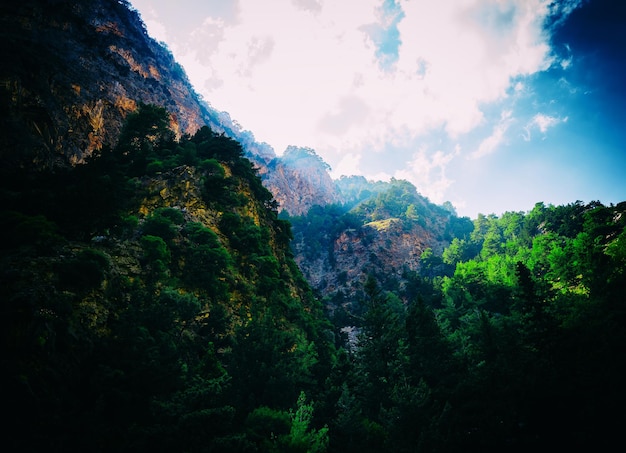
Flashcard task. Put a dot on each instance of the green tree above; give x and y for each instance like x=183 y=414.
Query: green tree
x=378 y=345
x=431 y=265
x=156 y=255
x=302 y=437
x=144 y=133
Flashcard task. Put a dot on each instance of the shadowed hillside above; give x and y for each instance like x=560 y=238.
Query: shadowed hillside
x=169 y=284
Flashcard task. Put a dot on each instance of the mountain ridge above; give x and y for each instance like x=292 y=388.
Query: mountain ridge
x=154 y=298
x=97 y=65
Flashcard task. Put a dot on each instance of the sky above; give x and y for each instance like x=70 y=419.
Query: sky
x=493 y=105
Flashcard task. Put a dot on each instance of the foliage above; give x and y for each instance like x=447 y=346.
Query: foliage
x=282 y=431
x=135 y=320
x=132 y=322
x=511 y=341
x=87 y=270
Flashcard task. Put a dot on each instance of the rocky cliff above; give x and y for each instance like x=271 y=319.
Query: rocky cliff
x=71 y=73
x=164 y=297
x=386 y=248
x=384 y=235
x=299 y=179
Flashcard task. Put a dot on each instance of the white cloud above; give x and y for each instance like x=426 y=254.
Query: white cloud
x=542 y=123
x=307 y=73
x=283 y=75
x=347 y=166
x=496 y=139
x=427 y=171
x=566 y=63
x=308 y=5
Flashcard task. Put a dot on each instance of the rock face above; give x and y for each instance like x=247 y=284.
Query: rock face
x=299 y=179
x=384 y=235
x=80 y=69
x=73 y=71
x=84 y=66
x=388 y=249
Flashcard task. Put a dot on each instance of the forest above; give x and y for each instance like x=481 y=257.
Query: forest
x=151 y=302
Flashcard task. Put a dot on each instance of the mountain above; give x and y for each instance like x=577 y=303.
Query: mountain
x=382 y=229
x=81 y=68
x=299 y=179
x=151 y=291
x=149 y=294
x=84 y=68
x=153 y=288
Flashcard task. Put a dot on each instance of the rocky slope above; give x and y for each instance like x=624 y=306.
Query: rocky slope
x=80 y=69
x=383 y=235
x=386 y=248
x=83 y=67
x=299 y=179
x=166 y=298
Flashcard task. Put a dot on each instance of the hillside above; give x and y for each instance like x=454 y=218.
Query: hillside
x=156 y=283
x=381 y=230
x=82 y=68
x=147 y=285
x=169 y=284
x=95 y=65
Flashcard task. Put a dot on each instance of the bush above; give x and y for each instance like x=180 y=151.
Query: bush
x=201 y=235
x=86 y=271
x=23 y=230
x=162 y=223
x=155 y=249
x=154 y=167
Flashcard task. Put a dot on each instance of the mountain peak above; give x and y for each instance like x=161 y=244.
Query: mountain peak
x=82 y=67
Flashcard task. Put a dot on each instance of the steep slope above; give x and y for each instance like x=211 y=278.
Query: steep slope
x=80 y=69
x=384 y=235
x=299 y=179
x=152 y=310
x=83 y=67
x=150 y=298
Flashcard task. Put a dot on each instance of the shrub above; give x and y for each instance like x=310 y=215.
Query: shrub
x=86 y=271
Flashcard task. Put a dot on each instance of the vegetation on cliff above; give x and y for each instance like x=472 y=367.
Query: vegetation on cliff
x=153 y=300
x=511 y=339
x=382 y=229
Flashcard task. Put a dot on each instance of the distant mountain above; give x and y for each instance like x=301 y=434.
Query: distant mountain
x=381 y=229
x=299 y=179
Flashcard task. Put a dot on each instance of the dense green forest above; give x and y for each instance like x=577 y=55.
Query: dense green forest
x=512 y=339
x=151 y=302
